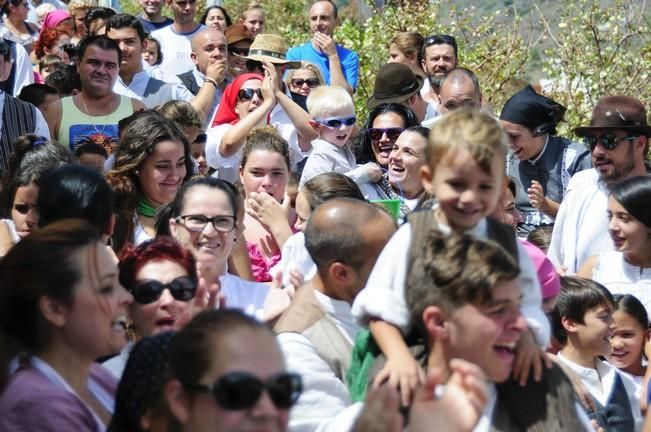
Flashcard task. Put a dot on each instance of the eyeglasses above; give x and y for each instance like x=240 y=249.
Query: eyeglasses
x=239 y=51
x=247 y=94
x=336 y=122
x=197 y=223
x=182 y=288
x=311 y=82
x=376 y=134
x=236 y=391
x=608 y=141
x=23 y=208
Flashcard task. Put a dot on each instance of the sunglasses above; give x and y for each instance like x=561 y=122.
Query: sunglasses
x=239 y=51
x=376 y=134
x=253 y=65
x=311 y=82
x=608 y=141
x=23 y=209
x=247 y=94
x=236 y=391
x=148 y=291
x=336 y=122
x=197 y=223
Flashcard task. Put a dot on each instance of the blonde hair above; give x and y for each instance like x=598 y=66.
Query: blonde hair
x=76 y=6
x=409 y=43
x=249 y=8
x=328 y=98
x=305 y=65
x=475 y=132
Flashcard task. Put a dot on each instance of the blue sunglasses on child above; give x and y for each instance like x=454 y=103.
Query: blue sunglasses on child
x=336 y=122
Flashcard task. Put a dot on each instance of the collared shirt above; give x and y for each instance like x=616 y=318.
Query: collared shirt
x=136 y=89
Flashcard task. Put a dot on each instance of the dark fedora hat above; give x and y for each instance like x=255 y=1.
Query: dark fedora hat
x=394 y=82
x=617 y=112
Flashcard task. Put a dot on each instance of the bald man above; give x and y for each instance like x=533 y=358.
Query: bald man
x=316 y=333
x=459 y=89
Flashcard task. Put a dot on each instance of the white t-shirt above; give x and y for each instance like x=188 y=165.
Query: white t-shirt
x=295 y=256
x=245 y=295
x=176 y=49
x=384 y=294
x=620 y=277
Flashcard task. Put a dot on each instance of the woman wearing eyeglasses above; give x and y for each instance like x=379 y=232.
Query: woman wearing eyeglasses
x=304 y=79
x=32 y=156
x=227 y=374
x=540 y=162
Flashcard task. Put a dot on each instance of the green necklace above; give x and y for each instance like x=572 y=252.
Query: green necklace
x=145 y=208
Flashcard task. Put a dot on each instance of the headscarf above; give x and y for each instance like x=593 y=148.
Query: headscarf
x=226 y=111
x=550 y=281
x=533 y=110
x=54 y=18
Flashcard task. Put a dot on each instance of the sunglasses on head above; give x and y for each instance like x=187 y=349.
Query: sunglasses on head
x=239 y=51
x=311 y=82
x=608 y=141
x=392 y=133
x=236 y=391
x=148 y=291
x=247 y=94
x=336 y=122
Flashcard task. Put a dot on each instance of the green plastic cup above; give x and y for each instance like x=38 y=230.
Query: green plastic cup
x=390 y=205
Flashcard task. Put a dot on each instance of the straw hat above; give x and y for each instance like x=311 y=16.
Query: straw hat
x=271 y=48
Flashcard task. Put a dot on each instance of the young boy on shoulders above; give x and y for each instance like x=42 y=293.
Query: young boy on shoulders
x=582 y=320
x=333 y=116
x=465 y=173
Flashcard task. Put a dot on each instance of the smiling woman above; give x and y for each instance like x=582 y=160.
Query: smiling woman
x=152 y=162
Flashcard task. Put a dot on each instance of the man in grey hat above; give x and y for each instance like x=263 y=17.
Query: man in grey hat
x=618 y=138
x=397 y=83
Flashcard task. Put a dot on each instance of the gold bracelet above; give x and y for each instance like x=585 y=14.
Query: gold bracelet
x=211 y=81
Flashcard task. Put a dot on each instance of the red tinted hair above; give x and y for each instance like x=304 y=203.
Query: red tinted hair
x=47 y=39
x=159 y=249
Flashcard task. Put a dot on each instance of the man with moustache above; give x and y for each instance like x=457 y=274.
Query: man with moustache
x=618 y=138
x=94 y=112
x=439 y=57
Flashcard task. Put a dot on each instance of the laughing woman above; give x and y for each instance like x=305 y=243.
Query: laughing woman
x=151 y=163
x=61 y=307
x=627 y=269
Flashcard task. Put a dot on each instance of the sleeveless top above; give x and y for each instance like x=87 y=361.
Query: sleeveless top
x=620 y=277
x=78 y=127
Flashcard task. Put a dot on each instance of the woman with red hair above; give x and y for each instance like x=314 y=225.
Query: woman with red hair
x=52 y=41
x=162 y=278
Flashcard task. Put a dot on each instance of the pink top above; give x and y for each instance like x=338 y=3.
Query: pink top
x=260 y=265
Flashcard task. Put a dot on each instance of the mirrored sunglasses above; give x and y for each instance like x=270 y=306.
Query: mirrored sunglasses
x=236 y=391
x=247 y=94
x=336 y=122
x=608 y=141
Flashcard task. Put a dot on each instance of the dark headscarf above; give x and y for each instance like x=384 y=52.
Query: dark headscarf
x=141 y=386
x=536 y=112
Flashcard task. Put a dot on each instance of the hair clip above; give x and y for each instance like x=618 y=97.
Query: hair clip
x=39 y=142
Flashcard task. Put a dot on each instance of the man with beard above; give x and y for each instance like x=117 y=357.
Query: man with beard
x=618 y=138
x=93 y=113
x=439 y=57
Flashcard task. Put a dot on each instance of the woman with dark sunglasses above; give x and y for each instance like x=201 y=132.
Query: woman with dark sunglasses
x=227 y=374
x=540 y=162
x=304 y=79
x=32 y=157
x=162 y=278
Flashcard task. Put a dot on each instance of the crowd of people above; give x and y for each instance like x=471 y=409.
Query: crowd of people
x=198 y=232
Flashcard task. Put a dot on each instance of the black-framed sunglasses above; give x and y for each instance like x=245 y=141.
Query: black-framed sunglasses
x=197 y=222
x=311 y=82
x=236 y=391
x=392 y=133
x=247 y=94
x=440 y=39
x=608 y=141
x=239 y=51
x=336 y=122
x=253 y=65
x=182 y=288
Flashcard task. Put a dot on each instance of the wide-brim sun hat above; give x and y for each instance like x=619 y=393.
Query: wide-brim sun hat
x=271 y=48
